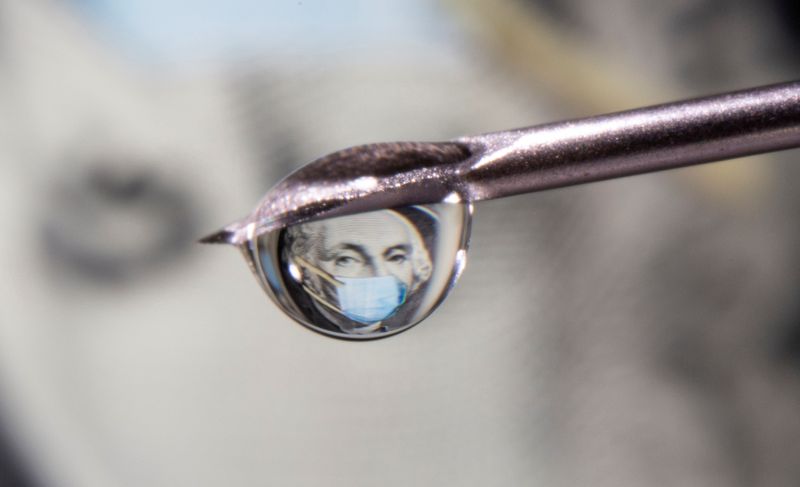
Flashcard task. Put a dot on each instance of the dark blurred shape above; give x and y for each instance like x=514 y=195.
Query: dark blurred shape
x=559 y=11
x=789 y=15
x=110 y=224
x=11 y=471
x=788 y=346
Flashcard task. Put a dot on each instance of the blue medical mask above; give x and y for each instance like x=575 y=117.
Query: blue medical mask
x=370 y=299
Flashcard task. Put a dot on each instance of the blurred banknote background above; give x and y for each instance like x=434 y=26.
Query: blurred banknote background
x=639 y=332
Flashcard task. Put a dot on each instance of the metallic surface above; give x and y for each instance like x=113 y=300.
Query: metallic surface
x=499 y=164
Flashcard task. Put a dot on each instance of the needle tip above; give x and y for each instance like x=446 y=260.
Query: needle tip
x=222 y=236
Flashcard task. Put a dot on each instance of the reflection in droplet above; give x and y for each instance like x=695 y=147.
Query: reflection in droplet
x=366 y=275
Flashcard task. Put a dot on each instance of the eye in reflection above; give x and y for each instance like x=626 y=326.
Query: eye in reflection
x=365 y=275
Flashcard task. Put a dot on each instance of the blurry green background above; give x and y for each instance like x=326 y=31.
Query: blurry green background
x=644 y=331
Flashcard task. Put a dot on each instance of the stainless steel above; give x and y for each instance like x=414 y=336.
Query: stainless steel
x=499 y=164
x=633 y=142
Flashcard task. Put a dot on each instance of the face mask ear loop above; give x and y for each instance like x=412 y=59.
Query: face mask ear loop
x=322 y=274
x=321 y=300
x=317 y=271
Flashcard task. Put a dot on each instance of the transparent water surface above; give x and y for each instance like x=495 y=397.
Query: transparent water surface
x=366 y=275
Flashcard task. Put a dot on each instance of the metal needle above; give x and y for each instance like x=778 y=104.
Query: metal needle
x=633 y=142
x=499 y=164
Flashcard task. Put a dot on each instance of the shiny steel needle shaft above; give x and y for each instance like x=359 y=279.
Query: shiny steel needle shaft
x=499 y=164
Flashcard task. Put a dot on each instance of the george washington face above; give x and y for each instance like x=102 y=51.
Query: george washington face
x=360 y=268
x=369 y=245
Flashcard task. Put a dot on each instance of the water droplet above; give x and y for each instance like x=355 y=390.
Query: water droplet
x=367 y=275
